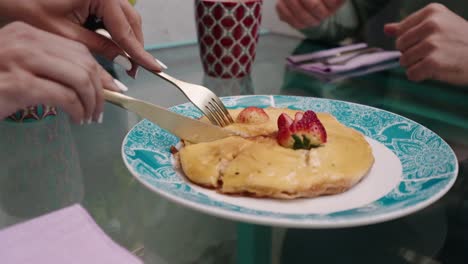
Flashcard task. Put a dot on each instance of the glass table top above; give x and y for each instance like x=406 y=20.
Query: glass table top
x=50 y=164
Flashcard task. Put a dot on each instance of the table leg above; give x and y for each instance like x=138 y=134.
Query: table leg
x=253 y=244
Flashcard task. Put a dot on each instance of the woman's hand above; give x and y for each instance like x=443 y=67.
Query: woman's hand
x=302 y=14
x=66 y=17
x=434 y=45
x=42 y=68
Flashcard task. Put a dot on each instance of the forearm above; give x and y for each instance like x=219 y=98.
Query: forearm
x=337 y=27
x=347 y=21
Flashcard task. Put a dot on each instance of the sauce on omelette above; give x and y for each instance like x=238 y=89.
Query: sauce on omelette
x=254 y=164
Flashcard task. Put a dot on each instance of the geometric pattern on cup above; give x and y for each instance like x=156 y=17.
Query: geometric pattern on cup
x=228 y=35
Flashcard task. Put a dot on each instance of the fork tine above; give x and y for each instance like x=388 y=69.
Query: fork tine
x=209 y=116
x=219 y=113
x=223 y=108
x=213 y=114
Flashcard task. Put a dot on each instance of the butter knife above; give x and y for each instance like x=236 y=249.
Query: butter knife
x=183 y=127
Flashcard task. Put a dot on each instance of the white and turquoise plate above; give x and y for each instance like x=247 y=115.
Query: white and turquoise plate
x=413 y=168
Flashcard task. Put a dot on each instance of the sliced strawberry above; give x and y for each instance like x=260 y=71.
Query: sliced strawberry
x=252 y=115
x=305 y=132
x=284 y=137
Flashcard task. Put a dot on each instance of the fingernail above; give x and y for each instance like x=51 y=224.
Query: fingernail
x=136 y=72
x=121 y=86
x=124 y=62
x=100 y=118
x=161 y=64
x=81 y=122
x=89 y=121
x=104 y=33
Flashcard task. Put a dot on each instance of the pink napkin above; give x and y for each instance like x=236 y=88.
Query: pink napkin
x=356 y=63
x=67 y=236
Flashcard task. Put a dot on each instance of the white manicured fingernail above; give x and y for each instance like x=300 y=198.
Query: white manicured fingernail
x=104 y=33
x=81 y=122
x=121 y=86
x=161 y=64
x=89 y=121
x=100 y=118
x=124 y=62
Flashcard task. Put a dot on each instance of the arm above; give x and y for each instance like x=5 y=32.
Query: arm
x=434 y=45
x=346 y=22
x=66 y=18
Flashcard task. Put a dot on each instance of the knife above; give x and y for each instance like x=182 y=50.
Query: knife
x=183 y=127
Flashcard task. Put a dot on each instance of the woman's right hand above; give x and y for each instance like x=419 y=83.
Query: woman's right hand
x=42 y=68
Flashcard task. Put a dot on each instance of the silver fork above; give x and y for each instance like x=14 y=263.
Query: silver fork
x=203 y=98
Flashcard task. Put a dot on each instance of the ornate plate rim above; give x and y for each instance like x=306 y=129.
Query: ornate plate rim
x=326 y=222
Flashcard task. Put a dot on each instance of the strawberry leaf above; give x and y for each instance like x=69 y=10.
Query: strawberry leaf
x=297 y=142
x=306 y=142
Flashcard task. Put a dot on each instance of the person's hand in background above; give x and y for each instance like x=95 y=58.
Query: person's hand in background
x=302 y=14
x=42 y=68
x=434 y=45
x=66 y=17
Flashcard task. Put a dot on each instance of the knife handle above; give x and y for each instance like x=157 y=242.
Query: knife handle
x=136 y=106
x=119 y=99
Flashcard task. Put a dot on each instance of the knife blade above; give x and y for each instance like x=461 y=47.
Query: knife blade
x=183 y=127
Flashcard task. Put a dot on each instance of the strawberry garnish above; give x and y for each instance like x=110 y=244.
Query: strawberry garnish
x=304 y=132
x=252 y=115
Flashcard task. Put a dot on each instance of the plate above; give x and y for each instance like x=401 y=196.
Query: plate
x=413 y=168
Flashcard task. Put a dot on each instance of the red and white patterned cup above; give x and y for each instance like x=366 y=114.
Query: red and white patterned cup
x=227 y=35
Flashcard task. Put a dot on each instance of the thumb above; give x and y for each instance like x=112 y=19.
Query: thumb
x=391 y=29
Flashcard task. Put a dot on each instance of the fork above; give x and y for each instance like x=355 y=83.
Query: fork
x=203 y=98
